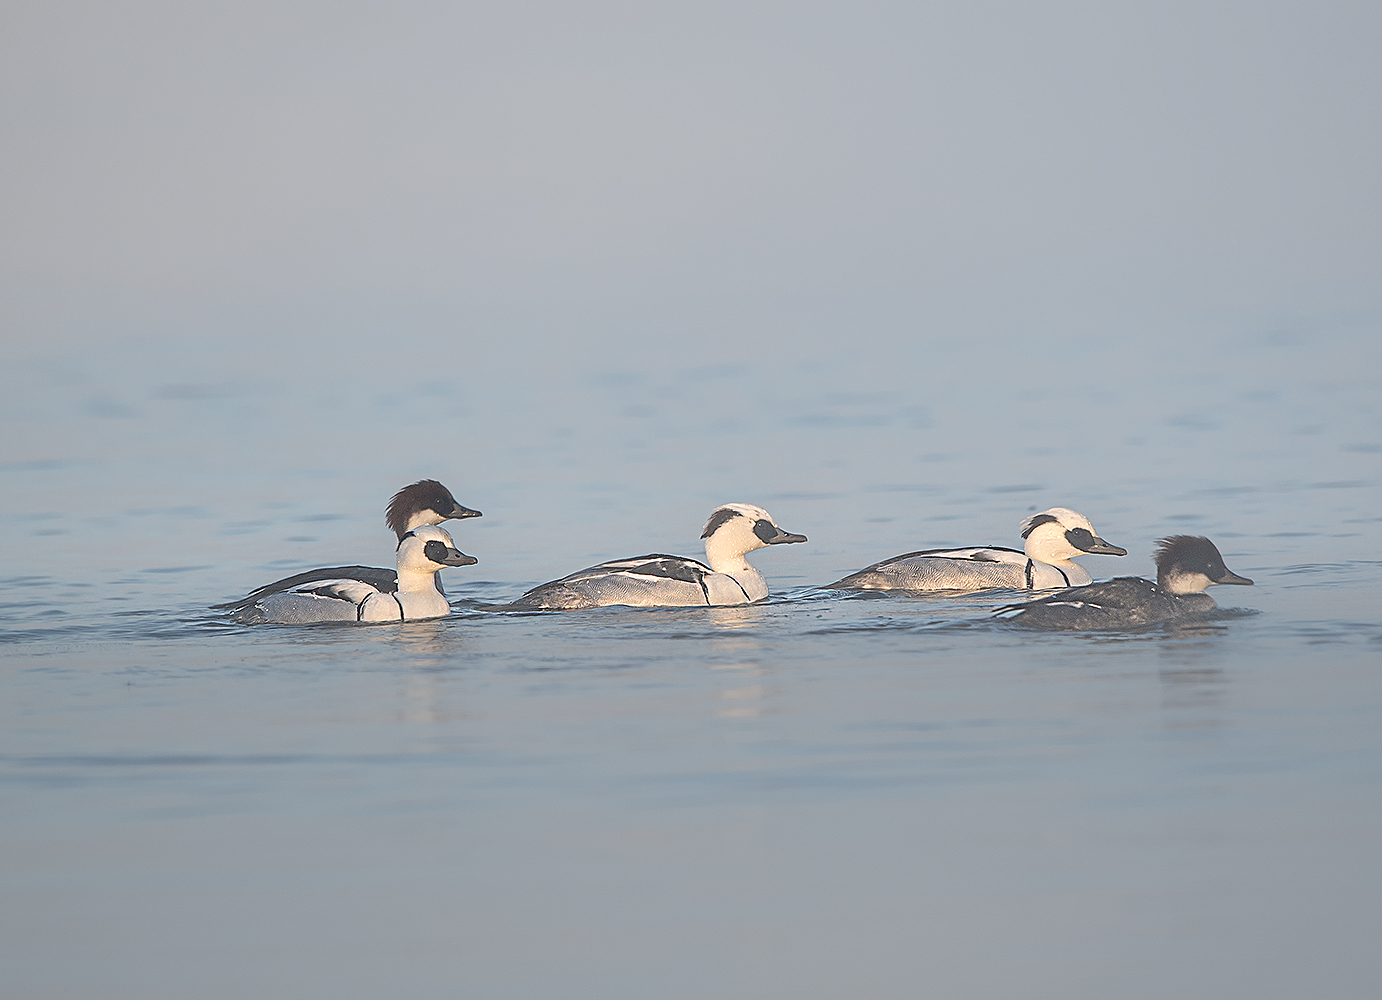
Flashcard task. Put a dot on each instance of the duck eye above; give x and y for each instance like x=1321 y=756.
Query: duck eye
x=1080 y=538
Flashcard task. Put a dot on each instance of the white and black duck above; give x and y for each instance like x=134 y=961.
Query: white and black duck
x=414 y=593
x=1186 y=565
x=658 y=580
x=1052 y=540
x=426 y=502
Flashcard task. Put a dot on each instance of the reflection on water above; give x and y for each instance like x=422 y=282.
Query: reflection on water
x=1201 y=690
x=730 y=618
x=742 y=701
x=427 y=645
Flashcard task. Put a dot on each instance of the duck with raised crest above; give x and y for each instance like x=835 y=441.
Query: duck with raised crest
x=659 y=580
x=423 y=504
x=1186 y=565
x=422 y=553
x=1052 y=540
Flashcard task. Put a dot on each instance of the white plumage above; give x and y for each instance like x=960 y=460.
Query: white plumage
x=659 y=580
x=1052 y=540
x=414 y=594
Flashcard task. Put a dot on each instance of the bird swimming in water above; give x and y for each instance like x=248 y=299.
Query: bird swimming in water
x=414 y=595
x=659 y=580
x=1186 y=565
x=1051 y=541
x=421 y=504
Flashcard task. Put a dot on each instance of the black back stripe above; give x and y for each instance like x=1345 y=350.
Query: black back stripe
x=401 y=616
x=1029 y=575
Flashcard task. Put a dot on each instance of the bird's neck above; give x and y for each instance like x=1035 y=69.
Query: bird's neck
x=422 y=518
x=1074 y=572
x=1182 y=584
x=726 y=557
x=413 y=581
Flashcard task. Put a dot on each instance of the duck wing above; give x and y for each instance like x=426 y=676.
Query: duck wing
x=1123 y=602
x=383 y=580
x=978 y=567
x=977 y=553
x=649 y=580
x=342 y=600
x=657 y=565
x=354 y=591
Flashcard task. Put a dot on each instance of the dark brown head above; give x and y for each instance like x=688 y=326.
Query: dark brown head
x=424 y=502
x=1187 y=564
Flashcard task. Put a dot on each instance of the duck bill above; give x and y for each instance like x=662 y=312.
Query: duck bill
x=785 y=538
x=1099 y=547
x=1232 y=577
x=458 y=512
x=458 y=558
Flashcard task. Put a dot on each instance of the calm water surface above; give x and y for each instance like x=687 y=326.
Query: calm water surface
x=820 y=796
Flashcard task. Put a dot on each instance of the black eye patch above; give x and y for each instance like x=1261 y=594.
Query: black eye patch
x=765 y=530
x=1080 y=538
x=436 y=551
x=1036 y=520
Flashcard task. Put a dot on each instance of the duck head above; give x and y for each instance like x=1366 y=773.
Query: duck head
x=424 y=502
x=1060 y=534
x=735 y=529
x=1188 y=564
x=425 y=551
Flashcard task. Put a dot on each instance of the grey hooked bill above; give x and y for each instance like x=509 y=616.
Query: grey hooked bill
x=1103 y=548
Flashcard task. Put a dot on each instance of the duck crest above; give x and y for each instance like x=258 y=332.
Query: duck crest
x=425 y=494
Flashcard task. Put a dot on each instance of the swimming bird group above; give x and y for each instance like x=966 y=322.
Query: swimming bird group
x=1187 y=565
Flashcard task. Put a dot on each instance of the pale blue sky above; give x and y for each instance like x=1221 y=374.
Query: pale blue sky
x=780 y=170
